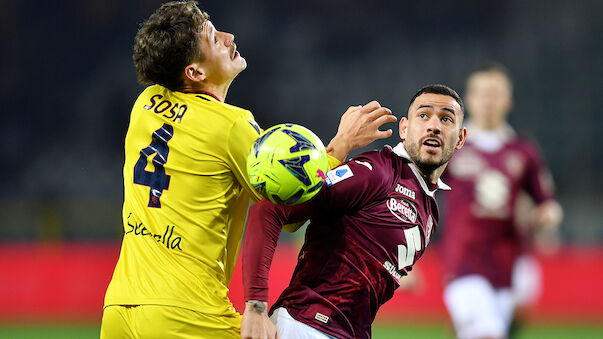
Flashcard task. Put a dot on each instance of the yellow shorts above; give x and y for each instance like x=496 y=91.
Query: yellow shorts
x=158 y=321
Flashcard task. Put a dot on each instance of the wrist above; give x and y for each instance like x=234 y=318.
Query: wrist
x=256 y=306
x=338 y=148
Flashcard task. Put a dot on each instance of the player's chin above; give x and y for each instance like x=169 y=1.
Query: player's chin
x=237 y=70
x=431 y=153
x=431 y=158
x=240 y=63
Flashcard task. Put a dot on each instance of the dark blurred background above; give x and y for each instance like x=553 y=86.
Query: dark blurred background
x=68 y=84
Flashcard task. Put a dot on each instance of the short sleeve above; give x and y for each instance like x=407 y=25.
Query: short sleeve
x=333 y=162
x=241 y=137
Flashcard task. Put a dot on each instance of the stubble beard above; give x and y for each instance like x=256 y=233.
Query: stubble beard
x=427 y=167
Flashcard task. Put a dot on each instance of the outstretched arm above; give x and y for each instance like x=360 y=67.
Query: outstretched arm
x=359 y=126
x=261 y=236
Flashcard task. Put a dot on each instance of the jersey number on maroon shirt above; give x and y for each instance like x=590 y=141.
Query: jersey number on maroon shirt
x=406 y=253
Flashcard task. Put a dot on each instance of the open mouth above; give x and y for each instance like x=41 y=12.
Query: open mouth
x=432 y=142
x=235 y=53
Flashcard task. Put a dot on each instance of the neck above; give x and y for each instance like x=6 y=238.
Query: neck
x=432 y=176
x=486 y=125
x=219 y=90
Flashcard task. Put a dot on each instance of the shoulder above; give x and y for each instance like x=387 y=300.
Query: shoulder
x=380 y=157
x=377 y=165
x=235 y=111
x=526 y=145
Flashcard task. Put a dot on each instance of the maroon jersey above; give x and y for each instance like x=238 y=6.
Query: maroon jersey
x=487 y=175
x=370 y=223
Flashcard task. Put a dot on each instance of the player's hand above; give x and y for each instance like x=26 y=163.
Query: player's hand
x=255 y=323
x=548 y=215
x=359 y=126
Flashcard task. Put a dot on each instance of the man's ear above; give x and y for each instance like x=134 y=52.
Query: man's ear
x=194 y=72
x=403 y=128
x=462 y=136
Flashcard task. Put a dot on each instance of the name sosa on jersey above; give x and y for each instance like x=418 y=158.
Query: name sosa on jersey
x=177 y=110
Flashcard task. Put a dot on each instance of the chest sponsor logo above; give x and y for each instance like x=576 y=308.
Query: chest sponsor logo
x=492 y=190
x=405 y=191
x=514 y=164
x=402 y=210
x=338 y=174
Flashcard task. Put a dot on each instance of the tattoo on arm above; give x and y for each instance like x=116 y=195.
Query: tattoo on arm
x=258 y=307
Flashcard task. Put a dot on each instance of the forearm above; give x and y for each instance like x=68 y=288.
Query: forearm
x=264 y=225
x=261 y=237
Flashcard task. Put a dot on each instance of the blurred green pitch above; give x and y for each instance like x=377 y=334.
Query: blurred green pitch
x=382 y=331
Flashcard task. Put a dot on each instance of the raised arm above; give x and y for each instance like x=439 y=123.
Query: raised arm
x=359 y=126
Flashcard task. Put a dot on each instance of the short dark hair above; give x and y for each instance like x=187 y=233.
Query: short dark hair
x=439 y=89
x=493 y=66
x=167 y=42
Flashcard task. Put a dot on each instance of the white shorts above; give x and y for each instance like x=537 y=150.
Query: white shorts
x=477 y=309
x=290 y=328
x=526 y=280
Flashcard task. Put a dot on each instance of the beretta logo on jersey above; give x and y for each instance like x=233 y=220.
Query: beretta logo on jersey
x=402 y=209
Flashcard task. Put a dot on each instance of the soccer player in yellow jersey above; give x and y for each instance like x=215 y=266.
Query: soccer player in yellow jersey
x=186 y=192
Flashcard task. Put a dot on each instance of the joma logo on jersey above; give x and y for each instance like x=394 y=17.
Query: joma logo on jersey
x=402 y=210
x=405 y=191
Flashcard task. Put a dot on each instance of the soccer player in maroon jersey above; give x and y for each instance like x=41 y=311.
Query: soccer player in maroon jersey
x=481 y=244
x=371 y=222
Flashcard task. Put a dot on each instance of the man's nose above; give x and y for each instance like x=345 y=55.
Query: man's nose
x=228 y=39
x=434 y=125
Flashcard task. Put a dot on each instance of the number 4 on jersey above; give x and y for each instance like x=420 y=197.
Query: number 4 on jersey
x=406 y=254
x=157 y=180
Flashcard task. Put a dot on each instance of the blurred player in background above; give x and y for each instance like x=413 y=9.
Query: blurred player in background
x=370 y=223
x=186 y=193
x=481 y=243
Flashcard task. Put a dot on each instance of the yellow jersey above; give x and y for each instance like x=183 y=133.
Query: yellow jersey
x=186 y=196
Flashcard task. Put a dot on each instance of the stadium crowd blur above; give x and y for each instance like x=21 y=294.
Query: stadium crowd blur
x=68 y=84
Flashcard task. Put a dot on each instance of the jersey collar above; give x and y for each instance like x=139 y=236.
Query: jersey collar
x=401 y=152
x=490 y=141
x=204 y=95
